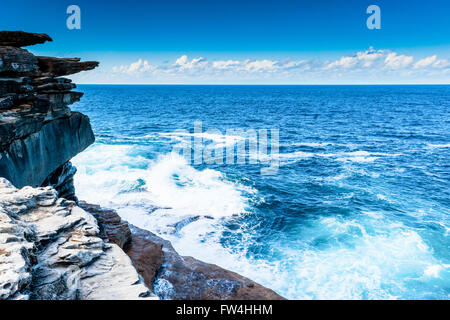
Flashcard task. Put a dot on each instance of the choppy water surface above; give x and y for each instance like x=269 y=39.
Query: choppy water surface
x=359 y=208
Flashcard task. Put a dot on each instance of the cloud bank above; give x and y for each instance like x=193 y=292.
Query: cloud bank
x=369 y=66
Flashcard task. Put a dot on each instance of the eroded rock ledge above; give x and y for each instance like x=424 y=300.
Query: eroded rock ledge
x=39 y=133
x=22 y=39
x=170 y=275
x=51 y=249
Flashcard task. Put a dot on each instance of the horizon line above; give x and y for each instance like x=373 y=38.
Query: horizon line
x=269 y=84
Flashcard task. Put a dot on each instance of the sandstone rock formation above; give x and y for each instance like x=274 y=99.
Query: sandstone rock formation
x=170 y=275
x=51 y=249
x=39 y=133
x=22 y=39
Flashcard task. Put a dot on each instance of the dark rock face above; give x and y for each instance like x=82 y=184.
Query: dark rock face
x=64 y=66
x=170 y=275
x=39 y=133
x=62 y=180
x=22 y=39
x=17 y=62
x=30 y=160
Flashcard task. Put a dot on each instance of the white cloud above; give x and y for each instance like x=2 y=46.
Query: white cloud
x=344 y=62
x=183 y=63
x=423 y=63
x=362 y=59
x=395 y=61
x=259 y=65
x=365 y=66
x=254 y=66
x=432 y=61
x=442 y=64
x=226 y=64
x=139 y=66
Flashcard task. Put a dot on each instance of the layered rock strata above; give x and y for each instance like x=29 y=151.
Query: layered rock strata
x=39 y=133
x=51 y=249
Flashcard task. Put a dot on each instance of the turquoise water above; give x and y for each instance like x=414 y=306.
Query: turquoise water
x=359 y=208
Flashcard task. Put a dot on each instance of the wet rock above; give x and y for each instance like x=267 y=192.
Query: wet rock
x=6 y=103
x=49 y=247
x=186 y=278
x=147 y=256
x=175 y=277
x=14 y=86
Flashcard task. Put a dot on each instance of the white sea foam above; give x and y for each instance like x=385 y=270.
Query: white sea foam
x=105 y=173
x=367 y=258
x=381 y=197
x=357 y=159
x=220 y=140
x=438 y=145
x=173 y=183
x=354 y=156
x=106 y=177
x=311 y=144
x=433 y=271
x=371 y=266
x=293 y=155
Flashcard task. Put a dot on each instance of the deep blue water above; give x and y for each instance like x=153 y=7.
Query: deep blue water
x=359 y=208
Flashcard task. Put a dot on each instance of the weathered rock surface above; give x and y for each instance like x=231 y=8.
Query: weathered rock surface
x=16 y=62
x=22 y=39
x=112 y=227
x=51 y=249
x=62 y=180
x=170 y=275
x=57 y=67
x=39 y=133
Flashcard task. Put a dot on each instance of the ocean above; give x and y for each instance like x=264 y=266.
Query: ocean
x=358 y=208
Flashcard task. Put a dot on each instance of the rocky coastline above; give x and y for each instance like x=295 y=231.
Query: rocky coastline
x=53 y=246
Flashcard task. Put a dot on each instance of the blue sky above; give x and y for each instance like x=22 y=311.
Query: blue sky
x=246 y=41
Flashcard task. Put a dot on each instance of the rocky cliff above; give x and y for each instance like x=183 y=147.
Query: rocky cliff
x=39 y=133
x=51 y=246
